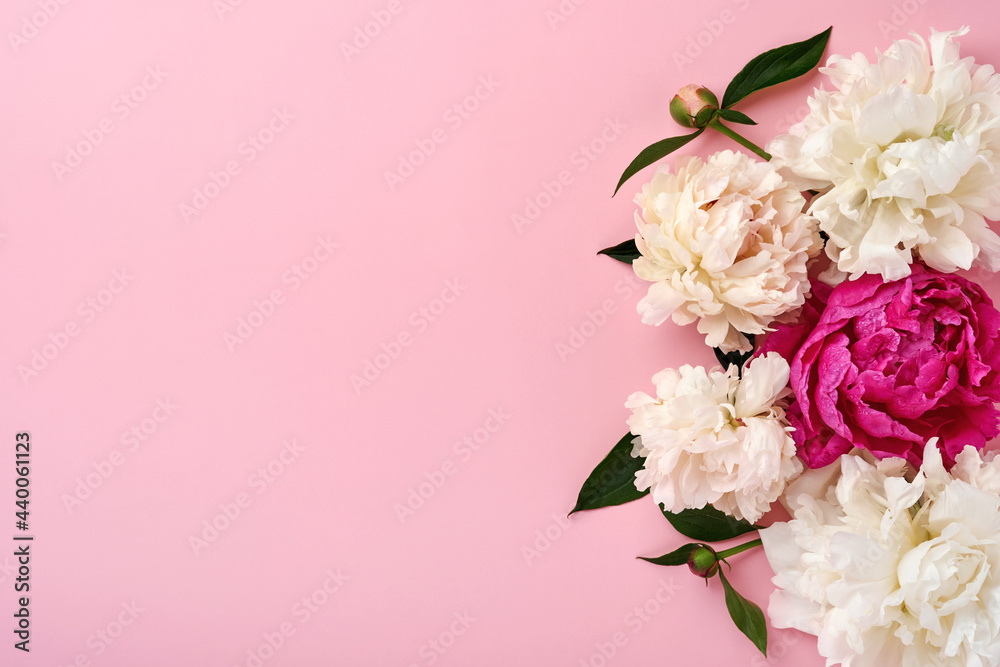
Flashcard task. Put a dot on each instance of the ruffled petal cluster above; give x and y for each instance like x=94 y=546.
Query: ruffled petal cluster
x=725 y=243
x=709 y=437
x=886 y=571
x=905 y=154
x=884 y=366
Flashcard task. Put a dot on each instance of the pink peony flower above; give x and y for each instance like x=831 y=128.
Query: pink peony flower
x=887 y=366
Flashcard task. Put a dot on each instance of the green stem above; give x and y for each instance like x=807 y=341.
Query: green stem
x=732 y=134
x=741 y=548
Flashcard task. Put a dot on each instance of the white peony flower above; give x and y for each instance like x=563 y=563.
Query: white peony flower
x=725 y=242
x=905 y=152
x=710 y=438
x=887 y=571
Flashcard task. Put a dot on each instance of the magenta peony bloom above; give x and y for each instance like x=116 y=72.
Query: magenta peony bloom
x=887 y=366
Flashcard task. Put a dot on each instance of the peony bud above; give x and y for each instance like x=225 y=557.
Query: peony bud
x=703 y=561
x=689 y=102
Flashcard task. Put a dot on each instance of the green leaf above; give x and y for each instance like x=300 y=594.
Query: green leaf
x=776 y=66
x=626 y=251
x=705 y=115
x=735 y=116
x=708 y=524
x=735 y=358
x=613 y=480
x=746 y=615
x=651 y=154
x=676 y=557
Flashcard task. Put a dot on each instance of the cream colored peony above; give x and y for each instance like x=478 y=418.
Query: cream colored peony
x=710 y=438
x=724 y=242
x=887 y=571
x=905 y=152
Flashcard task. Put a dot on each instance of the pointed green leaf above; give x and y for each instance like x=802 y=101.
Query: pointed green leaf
x=735 y=116
x=626 y=251
x=613 y=480
x=747 y=616
x=654 y=152
x=708 y=524
x=776 y=66
x=676 y=557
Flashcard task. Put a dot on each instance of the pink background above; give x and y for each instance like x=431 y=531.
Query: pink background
x=114 y=515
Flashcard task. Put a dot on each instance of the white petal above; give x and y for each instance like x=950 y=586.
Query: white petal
x=659 y=304
x=886 y=116
x=764 y=379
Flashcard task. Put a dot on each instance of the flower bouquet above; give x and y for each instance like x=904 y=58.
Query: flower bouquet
x=860 y=373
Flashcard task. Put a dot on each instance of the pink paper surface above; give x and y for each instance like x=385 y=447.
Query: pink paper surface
x=383 y=391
